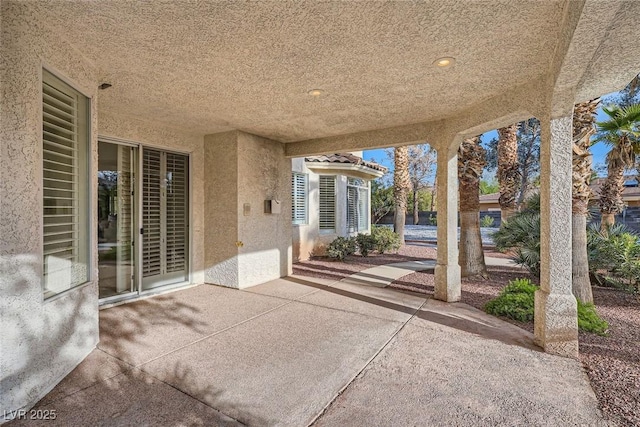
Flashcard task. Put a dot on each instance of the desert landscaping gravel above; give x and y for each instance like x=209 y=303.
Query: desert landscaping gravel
x=612 y=362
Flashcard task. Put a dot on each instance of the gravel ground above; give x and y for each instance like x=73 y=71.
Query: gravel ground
x=612 y=362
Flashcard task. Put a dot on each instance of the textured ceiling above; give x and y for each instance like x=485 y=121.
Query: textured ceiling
x=215 y=66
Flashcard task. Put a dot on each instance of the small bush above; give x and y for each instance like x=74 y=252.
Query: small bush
x=589 y=321
x=517 y=301
x=487 y=221
x=386 y=240
x=341 y=247
x=366 y=243
x=433 y=220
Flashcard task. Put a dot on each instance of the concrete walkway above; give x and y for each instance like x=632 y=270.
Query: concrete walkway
x=298 y=350
x=382 y=276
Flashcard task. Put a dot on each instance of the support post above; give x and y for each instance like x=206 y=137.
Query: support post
x=447 y=271
x=555 y=323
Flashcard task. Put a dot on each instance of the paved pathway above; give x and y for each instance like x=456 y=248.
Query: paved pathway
x=383 y=275
x=300 y=350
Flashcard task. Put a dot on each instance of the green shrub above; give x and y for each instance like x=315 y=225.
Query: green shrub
x=386 y=240
x=589 y=321
x=340 y=247
x=487 y=221
x=433 y=220
x=521 y=233
x=517 y=300
x=614 y=256
x=366 y=243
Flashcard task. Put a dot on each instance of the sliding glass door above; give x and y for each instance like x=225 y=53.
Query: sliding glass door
x=143 y=219
x=116 y=219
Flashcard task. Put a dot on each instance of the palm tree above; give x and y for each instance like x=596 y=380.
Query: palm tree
x=584 y=117
x=508 y=170
x=622 y=133
x=471 y=162
x=401 y=187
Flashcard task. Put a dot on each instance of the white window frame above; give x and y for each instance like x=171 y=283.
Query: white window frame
x=322 y=227
x=299 y=198
x=361 y=213
x=66 y=179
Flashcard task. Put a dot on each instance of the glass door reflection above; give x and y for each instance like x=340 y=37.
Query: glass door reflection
x=116 y=219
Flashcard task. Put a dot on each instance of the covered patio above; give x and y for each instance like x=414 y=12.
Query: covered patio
x=215 y=98
x=299 y=350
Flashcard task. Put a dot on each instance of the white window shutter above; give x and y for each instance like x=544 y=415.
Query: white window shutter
x=65 y=140
x=327 y=207
x=299 y=197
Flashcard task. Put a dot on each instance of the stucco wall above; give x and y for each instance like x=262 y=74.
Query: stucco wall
x=155 y=134
x=246 y=247
x=41 y=341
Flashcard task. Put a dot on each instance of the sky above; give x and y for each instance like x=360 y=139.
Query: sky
x=598 y=150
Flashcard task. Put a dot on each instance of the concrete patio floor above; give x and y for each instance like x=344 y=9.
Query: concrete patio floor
x=297 y=350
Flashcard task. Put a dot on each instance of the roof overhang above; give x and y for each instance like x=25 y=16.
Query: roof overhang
x=356 y=171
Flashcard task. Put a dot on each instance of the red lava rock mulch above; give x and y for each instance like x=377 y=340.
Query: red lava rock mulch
x=612 y=362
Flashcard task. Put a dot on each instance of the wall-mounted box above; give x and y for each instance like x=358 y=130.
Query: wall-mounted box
x=272 y=206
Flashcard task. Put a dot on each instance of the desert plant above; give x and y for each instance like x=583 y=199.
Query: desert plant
x=386 y=240
x=366 y=243
x=614 y=256
x=521 y=233
x=487 y=221
x=517 y=300
x=341 y=247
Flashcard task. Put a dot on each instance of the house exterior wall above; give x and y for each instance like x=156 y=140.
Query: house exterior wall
x=245 y=246
x=308 y=240
x=41 y=341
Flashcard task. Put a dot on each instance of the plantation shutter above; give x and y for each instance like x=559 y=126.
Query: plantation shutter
x=352 y=208
x=363 y=208
x=327 y=206
x=176 y=212
x=152 y=215
x=65 y=142
x=165 y=219
x=298 y=198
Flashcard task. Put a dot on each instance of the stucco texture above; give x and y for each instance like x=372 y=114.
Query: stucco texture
x=41 y=341
x=244 y=245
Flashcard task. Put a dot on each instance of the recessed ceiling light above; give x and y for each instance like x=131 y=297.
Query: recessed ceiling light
x=315 y=92
x=444 y=62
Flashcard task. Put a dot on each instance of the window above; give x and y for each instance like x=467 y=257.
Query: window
x=299 y=198
x=357 y=205
x=327 y=214
x=65 y=167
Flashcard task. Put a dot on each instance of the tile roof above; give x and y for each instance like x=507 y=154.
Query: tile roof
x=345 y=158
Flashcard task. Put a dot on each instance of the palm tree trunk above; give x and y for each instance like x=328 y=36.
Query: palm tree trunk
x=583 y=127
x=471 y=161
x=581 y=284
x=416 y=213
x=401 y=185
x=508 y=170
x=611 y=193
x=607 y=220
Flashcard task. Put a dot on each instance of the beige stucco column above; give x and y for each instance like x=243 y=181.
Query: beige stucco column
x=447 y=271
x=556 y=325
